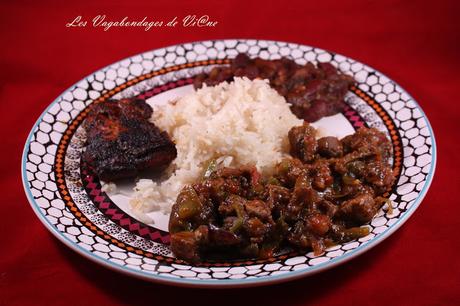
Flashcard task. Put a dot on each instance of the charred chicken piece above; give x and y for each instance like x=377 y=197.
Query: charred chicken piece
x=121 y=141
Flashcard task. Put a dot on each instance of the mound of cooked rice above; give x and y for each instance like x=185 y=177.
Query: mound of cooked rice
x=238 y=123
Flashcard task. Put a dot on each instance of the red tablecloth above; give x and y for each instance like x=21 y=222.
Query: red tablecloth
x=415 y=43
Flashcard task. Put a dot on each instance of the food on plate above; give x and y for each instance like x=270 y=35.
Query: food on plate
x=314 y=91
x=318 y=197
x=121 y=141
x=241 y=122
x=242 y=175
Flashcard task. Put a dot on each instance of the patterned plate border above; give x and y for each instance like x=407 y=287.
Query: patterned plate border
x=47 y=218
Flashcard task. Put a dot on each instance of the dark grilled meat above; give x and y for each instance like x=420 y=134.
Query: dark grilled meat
x=314 y=91
x=121 y=141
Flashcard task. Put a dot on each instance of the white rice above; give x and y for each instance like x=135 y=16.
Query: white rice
x=243 y=122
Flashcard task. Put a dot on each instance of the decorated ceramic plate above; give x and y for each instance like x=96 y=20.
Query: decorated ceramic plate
x=98 y=223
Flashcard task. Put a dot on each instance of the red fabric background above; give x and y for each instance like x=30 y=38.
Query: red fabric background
x=415 y=43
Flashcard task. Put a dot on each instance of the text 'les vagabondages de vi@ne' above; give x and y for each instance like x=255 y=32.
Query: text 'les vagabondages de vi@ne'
x=145 y=23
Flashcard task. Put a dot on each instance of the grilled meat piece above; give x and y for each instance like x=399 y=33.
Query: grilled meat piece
x=121 y=141
x=314 y=91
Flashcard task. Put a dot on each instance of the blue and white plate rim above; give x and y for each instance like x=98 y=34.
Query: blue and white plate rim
x=228 y=282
